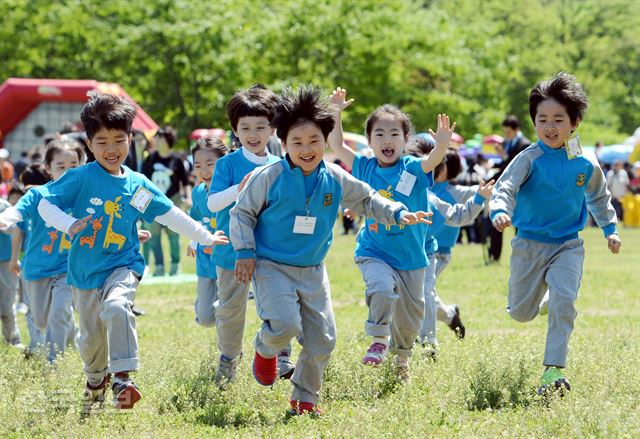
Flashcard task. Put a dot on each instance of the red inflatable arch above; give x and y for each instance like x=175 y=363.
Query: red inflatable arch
x=20 y=96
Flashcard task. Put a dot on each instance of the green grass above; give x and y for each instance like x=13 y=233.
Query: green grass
x=481 y=387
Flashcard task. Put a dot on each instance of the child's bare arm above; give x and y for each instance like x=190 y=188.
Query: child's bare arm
x=336 y=137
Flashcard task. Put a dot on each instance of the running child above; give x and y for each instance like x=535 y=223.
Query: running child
x=105 y=264
x=282 y=228
x=45 y=260
x=250 y=112
x=205 y=153
x=451 y=212
x=547 y=192
x=392 y=258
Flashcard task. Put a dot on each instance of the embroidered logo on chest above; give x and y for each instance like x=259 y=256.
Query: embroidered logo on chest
x=328 y=199
x=580 y=180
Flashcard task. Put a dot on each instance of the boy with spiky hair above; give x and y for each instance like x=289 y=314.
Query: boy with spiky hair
x=548 y=190
x=282 y=227
x=105 y=264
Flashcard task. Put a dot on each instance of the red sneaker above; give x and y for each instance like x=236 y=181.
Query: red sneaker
x=265 y=370
x=304 y=408
x=125 y=394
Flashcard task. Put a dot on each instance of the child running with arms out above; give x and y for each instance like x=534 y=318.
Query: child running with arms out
x=282 y=228
x=392 y=258
x=205 y=153
x=250 y=112
x=547 y=192
x=105 y=264
x=451 y=211
x=45 y=260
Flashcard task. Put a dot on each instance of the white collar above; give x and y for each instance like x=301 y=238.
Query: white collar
x=254 y=158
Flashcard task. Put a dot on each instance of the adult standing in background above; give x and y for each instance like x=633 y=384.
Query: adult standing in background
x=514 y=143
x=166 y=170
x=618 y=182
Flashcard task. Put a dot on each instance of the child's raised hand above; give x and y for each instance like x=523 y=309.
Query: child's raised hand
x=244 y=269
x=485 y=189
x=501 y=221
x=244 y=181
x=443 y=135
x=614 y=243
x=219 y=238
x=411 y=218
x=78 y=226
x=143 y=236
x=339 y=99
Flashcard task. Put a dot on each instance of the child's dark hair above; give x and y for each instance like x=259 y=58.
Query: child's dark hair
x=106 y=111
x=169 y=134
x=210 y=144
x=405 y=119
x=421 y=145
x=565 y=89
x=255 y=101
x=16 y=189
x=35 y=175
x=511 y=121
x=302 y=106
x=454 y=164
x=56 y=146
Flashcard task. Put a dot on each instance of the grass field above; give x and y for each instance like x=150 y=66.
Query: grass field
x=482 y=386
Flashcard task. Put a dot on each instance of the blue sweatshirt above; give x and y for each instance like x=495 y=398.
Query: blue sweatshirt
x=446 y=234
x=547 y=195
x=229 y=171
x=263 y=220
x=402 y=247
x=200 y=213
x=110 y=240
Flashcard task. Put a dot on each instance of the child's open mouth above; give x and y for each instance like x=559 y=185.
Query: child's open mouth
x=388 y=152
x=112 y=160
x=254 y=144
x=307 y=159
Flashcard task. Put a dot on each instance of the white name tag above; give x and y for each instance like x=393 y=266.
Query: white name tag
x=574 y=147
x=405 y=185
x=304 y=225
x=141 y=199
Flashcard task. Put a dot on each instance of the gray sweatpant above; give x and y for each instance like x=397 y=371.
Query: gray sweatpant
x=8 y=290
x=204 y=306
x=434 y=308
x=296 y=302
x=108 y=341
x=536 y=267
x=51 y=305
x=395 y=299
x=230 y=312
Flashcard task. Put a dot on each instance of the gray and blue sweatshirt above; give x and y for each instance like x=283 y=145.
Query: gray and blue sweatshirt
x=547 y=195
x=262 y=221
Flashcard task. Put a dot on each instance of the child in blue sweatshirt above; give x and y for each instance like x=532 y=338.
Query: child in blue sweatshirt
x=451 y=213
x=547 y=192
x=46 y=254
x=282 y=227
x=205 y=153
x=250 y=112
x=392 y=258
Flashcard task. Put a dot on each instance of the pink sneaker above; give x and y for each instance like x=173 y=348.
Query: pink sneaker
x=376 y=354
